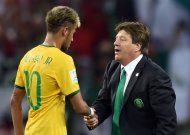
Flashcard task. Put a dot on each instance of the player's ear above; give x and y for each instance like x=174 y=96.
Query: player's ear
x=64 y=31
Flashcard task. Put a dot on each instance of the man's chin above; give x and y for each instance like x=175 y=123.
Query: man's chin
x=116 y=58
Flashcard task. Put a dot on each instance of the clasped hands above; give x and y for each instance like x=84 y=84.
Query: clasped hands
x=92 y=120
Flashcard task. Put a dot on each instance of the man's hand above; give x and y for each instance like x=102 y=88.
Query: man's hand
x=91 y=121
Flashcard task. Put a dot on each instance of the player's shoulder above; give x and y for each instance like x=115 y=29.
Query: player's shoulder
x=60 y=58
x=50 y=51
x=64 y=55
x=29 y=52
x=59 y=55
x=32 y=50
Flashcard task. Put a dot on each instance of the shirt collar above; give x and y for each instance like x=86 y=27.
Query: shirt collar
x=129 y=68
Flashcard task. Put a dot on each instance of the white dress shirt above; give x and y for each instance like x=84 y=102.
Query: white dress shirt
x=129 y=68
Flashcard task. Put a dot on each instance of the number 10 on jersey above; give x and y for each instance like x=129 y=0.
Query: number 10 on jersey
x=29 y=83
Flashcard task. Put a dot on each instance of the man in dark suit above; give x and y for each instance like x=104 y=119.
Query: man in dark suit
x=136 y=92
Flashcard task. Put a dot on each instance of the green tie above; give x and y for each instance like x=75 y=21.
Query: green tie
x=117 y=104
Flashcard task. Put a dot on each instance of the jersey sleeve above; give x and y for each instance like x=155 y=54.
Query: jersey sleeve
x=67 y=78
x=19 y=82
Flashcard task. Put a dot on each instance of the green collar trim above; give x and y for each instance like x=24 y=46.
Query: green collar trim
x=19 y=87
x=47 y=45
x=74 y=93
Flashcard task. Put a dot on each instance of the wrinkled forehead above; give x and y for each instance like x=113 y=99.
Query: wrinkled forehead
x=122 y=33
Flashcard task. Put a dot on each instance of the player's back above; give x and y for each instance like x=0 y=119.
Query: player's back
x=40 y=68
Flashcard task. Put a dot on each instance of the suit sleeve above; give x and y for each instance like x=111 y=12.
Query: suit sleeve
x=162 y=100
x=102 y=103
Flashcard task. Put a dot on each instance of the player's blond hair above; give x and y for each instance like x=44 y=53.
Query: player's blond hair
x=61 y=16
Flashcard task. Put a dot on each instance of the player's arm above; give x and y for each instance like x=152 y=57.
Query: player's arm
x=80 y=106
x=16 y=110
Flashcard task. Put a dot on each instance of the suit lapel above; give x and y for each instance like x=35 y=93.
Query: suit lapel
x=136 y=73
x=116 y=79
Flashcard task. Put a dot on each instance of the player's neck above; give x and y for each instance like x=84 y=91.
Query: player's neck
x=50 y=40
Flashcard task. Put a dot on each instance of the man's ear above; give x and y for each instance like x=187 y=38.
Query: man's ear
x=64 y=31
x=138 y=47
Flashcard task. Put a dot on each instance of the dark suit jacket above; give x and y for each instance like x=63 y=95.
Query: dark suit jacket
x=149 y=84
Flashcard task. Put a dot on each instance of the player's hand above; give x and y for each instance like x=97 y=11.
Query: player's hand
x=91 y=121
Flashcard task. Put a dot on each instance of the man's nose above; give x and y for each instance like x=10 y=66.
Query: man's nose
x=115 y=43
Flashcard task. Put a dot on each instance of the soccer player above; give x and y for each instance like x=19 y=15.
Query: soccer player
x=47 y=76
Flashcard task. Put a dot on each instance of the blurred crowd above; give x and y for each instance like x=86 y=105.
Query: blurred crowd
x=22 y=27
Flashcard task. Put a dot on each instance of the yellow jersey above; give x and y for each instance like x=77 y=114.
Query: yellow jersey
x=48 y=75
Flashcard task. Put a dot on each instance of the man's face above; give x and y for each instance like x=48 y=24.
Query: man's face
x=68 y=39
x=124 y=48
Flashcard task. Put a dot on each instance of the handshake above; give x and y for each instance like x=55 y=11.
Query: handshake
x=91 y=120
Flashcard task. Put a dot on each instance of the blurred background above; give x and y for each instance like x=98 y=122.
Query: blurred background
x=22 y=27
